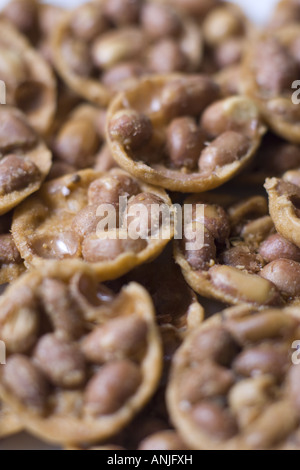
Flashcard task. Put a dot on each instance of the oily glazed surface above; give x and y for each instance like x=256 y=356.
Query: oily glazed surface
x=46 y=402
x=30 y=82
x=243 y=259
x=25 y=162
x=270 y=68
x=238 y=393
x=121 y=43
x=43 y=227
x=228 y=134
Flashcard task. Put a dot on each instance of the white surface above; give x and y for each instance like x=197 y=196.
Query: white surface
x=258 y=11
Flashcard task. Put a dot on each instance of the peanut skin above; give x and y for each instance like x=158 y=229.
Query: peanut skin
x=26 y=382
x=109 y=389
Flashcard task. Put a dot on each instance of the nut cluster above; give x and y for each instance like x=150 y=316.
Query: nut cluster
x=233 y=385
x=243 y=259
x=78 y=378
x=61 y=222
x=121 y=41
x=187 y=138
x=153 y=284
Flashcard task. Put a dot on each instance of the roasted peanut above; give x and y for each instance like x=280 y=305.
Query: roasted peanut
x=86 y=221
x=276 y=247
x=130 y=128
x=111 y=387
x=160 y=20
x=285 y=274
x=14 y=133
x=207 y=380
x=215 y=219
x=248 y=398
x=122 y=12
x=61 y=308
x=213 y=121
x=235 y=114
x=26 y=382
x=77 y=143
x=242 y=258
x=8 y=250
x=23 y=14
x=77 y=55
x=16 y=173
x=214 y=421
x=266 y=325
x=216 y=344
x=109 y=189
x=118 y=339
x=121 y=74
x=163 y=440
x=56 y=246
x=166 y=56
x=262 y=359
x=185 y=141
x=117 y=46
x=276 y=69
x=228 y=148
x=20 y=330
x=143 y=214
x=188 y=96
x=200 y=257
x=60 y=361
x=247 y=287
x=221 y=24
x=229 y=52
x=88 y=22
x=95 y=249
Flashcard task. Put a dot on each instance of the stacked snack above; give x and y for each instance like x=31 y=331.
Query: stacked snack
x=104 y=46
x=29 y=80
x=174 y=132
x=127 y=124
x=65 y=386
x=233 y=384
